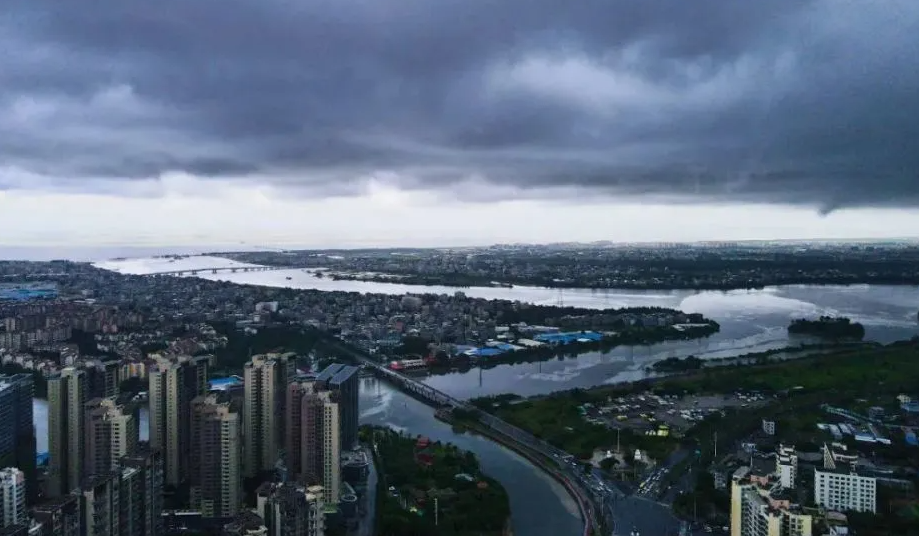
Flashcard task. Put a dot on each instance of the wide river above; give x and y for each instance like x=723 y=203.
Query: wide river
x=751 y=321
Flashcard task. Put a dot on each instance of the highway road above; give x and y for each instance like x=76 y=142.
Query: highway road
x=367 y=521
x=628 y=514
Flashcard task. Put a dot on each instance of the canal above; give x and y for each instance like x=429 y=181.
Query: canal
x=539 y=505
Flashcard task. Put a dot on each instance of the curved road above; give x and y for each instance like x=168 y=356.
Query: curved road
x=596 y=496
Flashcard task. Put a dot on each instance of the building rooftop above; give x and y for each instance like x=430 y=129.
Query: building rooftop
x=244 y=523
x=52 y=504
x=344 y=373
x=762 y=466
x=329 y=372
x=846 y=469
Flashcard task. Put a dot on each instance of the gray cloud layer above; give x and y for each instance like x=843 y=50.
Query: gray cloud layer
x=789 y=101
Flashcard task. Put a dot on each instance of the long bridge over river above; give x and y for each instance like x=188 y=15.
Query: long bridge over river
x=222 y=269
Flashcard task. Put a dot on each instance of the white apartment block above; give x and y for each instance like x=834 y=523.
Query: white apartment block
x=836 y=489
x=756 y=512
x=12 y=497
x=841 y=486
x=786 y=466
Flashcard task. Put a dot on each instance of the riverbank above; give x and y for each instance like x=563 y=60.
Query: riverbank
x=548 y=467
x=434 y=488
x=588 y=342
x=653 y=376
x=535 y=507
x=672 y=367
x=750 y=321
x=649 y=416
x=461 y=281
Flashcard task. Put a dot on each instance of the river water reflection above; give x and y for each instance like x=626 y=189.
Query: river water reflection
x=751 y=321
x=539 y=505
x=40 y=420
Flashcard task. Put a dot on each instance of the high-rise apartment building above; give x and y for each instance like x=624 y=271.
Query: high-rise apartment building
x=12 y=497
x=17 y=433
x=111 y=378
x=265 y=381
x=313 y=439
x=293 y=421
x=842 y=485
x=103 y=378
x=216 y=460
x=142 y=479
x=173 y=384
x=111 y=433
x=786 y=466
x=66 y=396
x=100 y=498
x=760 y=507
x=344 y=381
x=131 y=502
x=331 y=452
x=291 y=509
x=61 y=516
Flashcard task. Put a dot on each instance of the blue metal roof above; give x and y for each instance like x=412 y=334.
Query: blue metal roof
x=487 y=352
x=344 y=373
x=329 y=372
x=568 y=337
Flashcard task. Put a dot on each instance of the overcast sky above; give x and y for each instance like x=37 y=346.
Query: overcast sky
x=411 y=122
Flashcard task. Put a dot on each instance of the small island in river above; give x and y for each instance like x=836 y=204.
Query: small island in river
x=675 y=364
x=431 y=488
x=828 y=327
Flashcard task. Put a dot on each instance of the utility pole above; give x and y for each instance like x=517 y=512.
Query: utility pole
x=618 y=451
x=716 y=448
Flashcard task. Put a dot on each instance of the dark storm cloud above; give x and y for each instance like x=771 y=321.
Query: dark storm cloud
x=785 y=101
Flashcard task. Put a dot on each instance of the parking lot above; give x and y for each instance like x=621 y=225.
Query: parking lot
x=665 y=415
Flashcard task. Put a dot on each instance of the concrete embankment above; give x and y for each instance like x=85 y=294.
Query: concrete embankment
x=547 y=466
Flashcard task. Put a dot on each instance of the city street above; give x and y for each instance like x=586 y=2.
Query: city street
x=366 y=526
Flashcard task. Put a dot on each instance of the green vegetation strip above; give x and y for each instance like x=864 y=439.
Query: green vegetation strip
x=801 y=386
x=434 y=489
